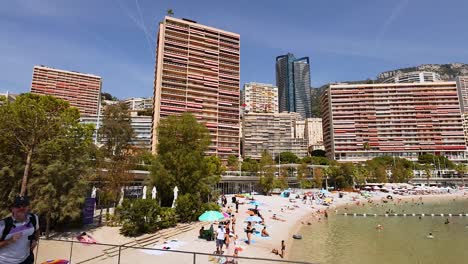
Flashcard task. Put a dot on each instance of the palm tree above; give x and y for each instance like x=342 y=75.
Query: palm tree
x=461 y=170
x=428 y=171
x=170 y=12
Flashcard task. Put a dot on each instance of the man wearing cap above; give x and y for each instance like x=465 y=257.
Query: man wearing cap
x=19 y=234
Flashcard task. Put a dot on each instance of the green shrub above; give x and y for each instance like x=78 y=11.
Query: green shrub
x=188 y=207
x=211 y=206
x=139 y=216
x=167 y=218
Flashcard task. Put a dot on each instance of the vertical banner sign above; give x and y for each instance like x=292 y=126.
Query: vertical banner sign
x=88 y=211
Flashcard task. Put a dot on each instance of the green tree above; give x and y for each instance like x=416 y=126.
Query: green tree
x=302 y=173
x=233 y=163
x=287 y=157
x=31 y=121
x=181 y=160
x=60 y=161
x=267 y=172
x=60 y=175
x=115 y=157
x=428 y=168
x=318 y=153
x=461 y=170
x=250 y=165
x=360 y=174
x=318 y=177
x=170 y=12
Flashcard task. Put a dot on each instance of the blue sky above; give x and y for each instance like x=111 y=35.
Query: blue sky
x=345 y=40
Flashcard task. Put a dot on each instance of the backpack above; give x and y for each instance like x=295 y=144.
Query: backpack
x=9 y=225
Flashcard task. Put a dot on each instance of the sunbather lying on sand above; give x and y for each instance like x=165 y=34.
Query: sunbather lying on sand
x=274 y=217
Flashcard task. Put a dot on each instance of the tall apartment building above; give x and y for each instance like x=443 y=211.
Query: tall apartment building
x=259 y=98
x=462 y=86
x=314 y=131
x=293 y=81
x=81 y=90
x=273 y=132
x=197 y=71
x=411 y=77
x=363 y=121
x=142 y=126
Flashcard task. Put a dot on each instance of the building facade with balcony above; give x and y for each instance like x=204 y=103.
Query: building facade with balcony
x=138 y=103
x=198 y=71
x=314 y=131
x=259 y=98
x=363 y=121
x=273 y=132
x=142 y=126
x=81 y=90
x=411 y=77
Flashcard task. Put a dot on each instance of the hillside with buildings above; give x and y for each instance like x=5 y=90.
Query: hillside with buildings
x=446 y=71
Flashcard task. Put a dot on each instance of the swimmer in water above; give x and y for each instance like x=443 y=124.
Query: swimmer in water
x=379 y=227
x=430 y=236
x=447 y=221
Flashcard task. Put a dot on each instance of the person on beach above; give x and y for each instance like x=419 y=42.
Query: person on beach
x=19 y=233
x=226 y=236
x=233 y=223
x=249 y=230
x=237 y=207
x=220 y=235
x=264 y=232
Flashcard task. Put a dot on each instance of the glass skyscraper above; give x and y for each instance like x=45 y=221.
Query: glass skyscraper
x=293 y=81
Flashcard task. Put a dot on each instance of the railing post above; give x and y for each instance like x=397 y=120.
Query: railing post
x=194 y=258
x=71 y=252
x=120 y=250
x=37 y=251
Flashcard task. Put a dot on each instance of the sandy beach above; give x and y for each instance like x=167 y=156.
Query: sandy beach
x=184 y=237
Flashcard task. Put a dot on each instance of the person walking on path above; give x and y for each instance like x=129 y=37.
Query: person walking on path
x=19 y=234
x=220 y=236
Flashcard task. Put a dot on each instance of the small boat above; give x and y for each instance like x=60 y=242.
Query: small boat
x=297 y=236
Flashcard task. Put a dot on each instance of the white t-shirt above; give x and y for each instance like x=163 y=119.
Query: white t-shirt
x=220 y=233
x=18 y=251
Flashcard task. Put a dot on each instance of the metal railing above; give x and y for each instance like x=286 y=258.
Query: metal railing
x=112 y=253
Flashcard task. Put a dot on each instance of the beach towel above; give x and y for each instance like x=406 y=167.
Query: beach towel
x=87 y=239
x=169 y=245
x=56 y=261
x=262 y=237
x=251 y=241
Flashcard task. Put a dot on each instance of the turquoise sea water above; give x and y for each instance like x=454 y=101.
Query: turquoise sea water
x=349 y=239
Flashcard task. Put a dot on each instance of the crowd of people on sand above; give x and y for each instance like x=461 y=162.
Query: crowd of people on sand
x=228 y=238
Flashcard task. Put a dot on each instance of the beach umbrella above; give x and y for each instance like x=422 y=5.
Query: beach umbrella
x=210 y=216
x=253 y=219
x=144 y=193
x=176 y=191
x=257 y=203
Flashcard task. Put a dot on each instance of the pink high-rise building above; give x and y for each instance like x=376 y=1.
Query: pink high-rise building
x=363 y=121
x=197 y=71
x=81 y=90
